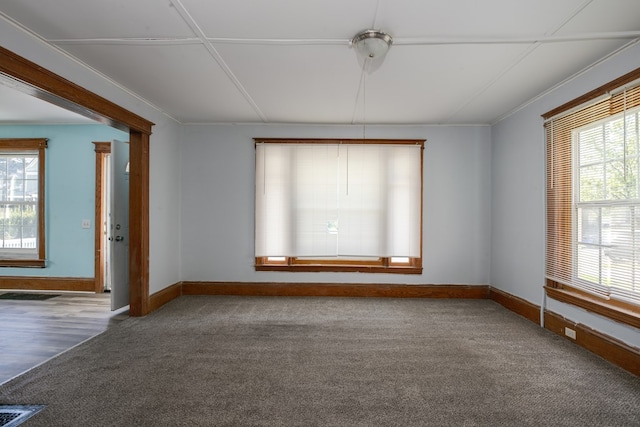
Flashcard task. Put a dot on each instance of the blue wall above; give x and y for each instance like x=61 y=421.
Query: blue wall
x=69 y=195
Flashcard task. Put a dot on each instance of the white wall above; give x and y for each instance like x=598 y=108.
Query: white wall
x=164 y=175
x=164 y=211
x=217 y=198
x=517 y=250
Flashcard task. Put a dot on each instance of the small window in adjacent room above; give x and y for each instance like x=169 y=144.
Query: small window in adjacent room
x=339 y=205
x=593 y=203
x=22 y=202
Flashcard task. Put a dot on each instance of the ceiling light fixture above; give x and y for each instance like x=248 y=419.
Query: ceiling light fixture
x=371 y=46
x=372 y=43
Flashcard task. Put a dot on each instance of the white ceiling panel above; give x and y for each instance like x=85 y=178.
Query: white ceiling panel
x=17 y=107
x=285 y=61
x=316 y=84
x=185 y=80
x=282 y=19
x=472 y=18
x=605 y=16
x=543 y=68
x=88 y=19
x=435 y=83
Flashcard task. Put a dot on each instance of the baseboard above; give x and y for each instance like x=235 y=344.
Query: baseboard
x=607 y=347
x=516 y=304
x=160 y=298
x=33 y=283
x=335 y=290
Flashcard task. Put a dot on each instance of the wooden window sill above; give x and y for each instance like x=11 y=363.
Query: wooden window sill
x=622 y=312
x=314 y=268
x=33 y=263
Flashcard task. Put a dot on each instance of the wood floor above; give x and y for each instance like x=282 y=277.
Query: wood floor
x=32 y=332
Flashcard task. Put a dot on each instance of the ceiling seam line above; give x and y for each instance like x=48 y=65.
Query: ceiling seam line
x=334 y=124
x=186 y=16
x=128 y=41
x=495 y=79
x=407 y=41
x=412 y=41
x=91 y=69
x=375 y=14
x=565 y=81
x=572 y=15
x=521 y=58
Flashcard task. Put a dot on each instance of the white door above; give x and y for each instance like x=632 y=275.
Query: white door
x=119 y=225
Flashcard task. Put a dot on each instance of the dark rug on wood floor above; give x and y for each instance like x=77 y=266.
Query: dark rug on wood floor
x=27 y=296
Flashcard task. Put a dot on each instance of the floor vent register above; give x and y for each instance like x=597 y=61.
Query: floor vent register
x=14 y=415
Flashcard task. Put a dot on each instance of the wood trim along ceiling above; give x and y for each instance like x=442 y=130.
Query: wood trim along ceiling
x=58 y=90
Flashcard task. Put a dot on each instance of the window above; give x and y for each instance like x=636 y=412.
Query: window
x=339 y=205
x=593 y=204
x=607 y=206
x=22 y=202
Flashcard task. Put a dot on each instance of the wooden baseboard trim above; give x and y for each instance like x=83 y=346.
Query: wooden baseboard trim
x=607 y=347
x=516 y=304
x=335 y=290
x=32 y=283
x=164 y=296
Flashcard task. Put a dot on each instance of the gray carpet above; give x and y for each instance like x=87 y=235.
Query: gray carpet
x=278 y=361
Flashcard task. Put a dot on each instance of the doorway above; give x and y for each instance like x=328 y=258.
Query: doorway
x=112 y=221
x=47 y=85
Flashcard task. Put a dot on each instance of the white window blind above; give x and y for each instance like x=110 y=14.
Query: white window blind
x=593 y=198
x=338 y=200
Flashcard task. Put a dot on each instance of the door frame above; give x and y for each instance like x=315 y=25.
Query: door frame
x=64 y=93
x=101 y=149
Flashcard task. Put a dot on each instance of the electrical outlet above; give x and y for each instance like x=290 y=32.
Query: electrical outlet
x=86 y=223
x=570 y=333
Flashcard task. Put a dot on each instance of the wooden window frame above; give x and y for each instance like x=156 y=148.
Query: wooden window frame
x=102 y=149
x=379 y=265
x=620 y=311
x=16 y=145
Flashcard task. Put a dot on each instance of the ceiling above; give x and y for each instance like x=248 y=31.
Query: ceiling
x=287 y=61
x=19 y=107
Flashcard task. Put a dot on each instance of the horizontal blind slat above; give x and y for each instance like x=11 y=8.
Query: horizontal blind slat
x=583 y=248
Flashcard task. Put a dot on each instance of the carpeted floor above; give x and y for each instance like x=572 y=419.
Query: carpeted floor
x=278 y=361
